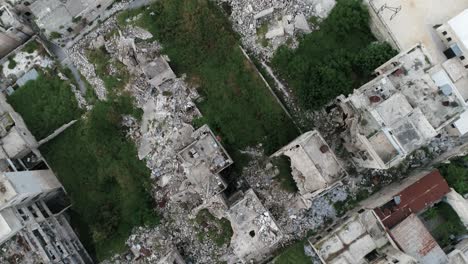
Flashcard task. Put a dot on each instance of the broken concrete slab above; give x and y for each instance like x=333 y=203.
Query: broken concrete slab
x=264 y=13
x=300 y=22
x=275 y=32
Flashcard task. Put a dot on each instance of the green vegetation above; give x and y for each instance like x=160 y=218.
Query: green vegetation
x=335 y=59
x=11 y=63
x=217 y=230
x=294 y=254
x=77 y=19
x=261 y=32
x=285 y=178
x=55 y=35
x=108 y=185
x=31 y=47
x=341 y=207
x=45 y=104
x=102 y=61
x=236 y=104
x=97 y=164
x=446 y=223
x=456 y=174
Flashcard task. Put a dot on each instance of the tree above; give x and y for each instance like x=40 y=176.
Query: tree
x=374 y=55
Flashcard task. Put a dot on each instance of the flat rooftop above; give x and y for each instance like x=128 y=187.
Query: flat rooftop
x=352 y=242
x=458 y=25
x=203 y=159
x=255 y=230
x=403 y=108
x=412 y=21
x=314 y=164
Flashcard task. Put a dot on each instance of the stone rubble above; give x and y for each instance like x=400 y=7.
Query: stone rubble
x=166 y=127
x=285 y=20
x=164 y=130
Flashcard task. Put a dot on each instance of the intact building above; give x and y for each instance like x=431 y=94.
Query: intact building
x=401 y=110
x=360 y=239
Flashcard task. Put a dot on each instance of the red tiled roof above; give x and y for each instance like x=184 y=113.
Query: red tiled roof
x=415 y=198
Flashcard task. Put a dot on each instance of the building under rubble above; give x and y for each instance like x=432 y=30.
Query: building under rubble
x=255 y=231
x=13 y=32
x=403 y=109
x=203 y=160
x=315 y=168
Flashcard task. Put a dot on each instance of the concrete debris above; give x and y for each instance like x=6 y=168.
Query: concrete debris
x=170 y=146
x=264 y=13
x=79 y=98
x=300 y=22
x=250 y=16
x=275 y=32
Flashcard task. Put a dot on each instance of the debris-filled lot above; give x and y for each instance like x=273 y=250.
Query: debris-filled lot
x=170 y=156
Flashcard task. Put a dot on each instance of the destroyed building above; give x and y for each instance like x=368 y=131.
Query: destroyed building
x=173 y=257
x=401 y=110
x=13 y=32
x=63 y=18
x=255 y=231
x=360 y=239
x=203 y=160
x=32 y=205
x=32 y=200
x=315 y=168
x=158 y=72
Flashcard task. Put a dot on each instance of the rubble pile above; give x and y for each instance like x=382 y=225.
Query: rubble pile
x=265 y=25
x=77 y=55
x=16 y=250
x=293 y=220
x=165 y=128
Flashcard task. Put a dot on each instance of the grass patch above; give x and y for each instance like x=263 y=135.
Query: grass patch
x=45 y=104
x=236 y=103
x=285 y=178
x=11 y=63
x=261 y=32
x=102 y=62
x=341 y=207
x=456 y=174
x=217 y=230
x=31 y=47
x=449 y=224
x=294 y=254
x=333 y=60
x=108 y=185
x=55 y=35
